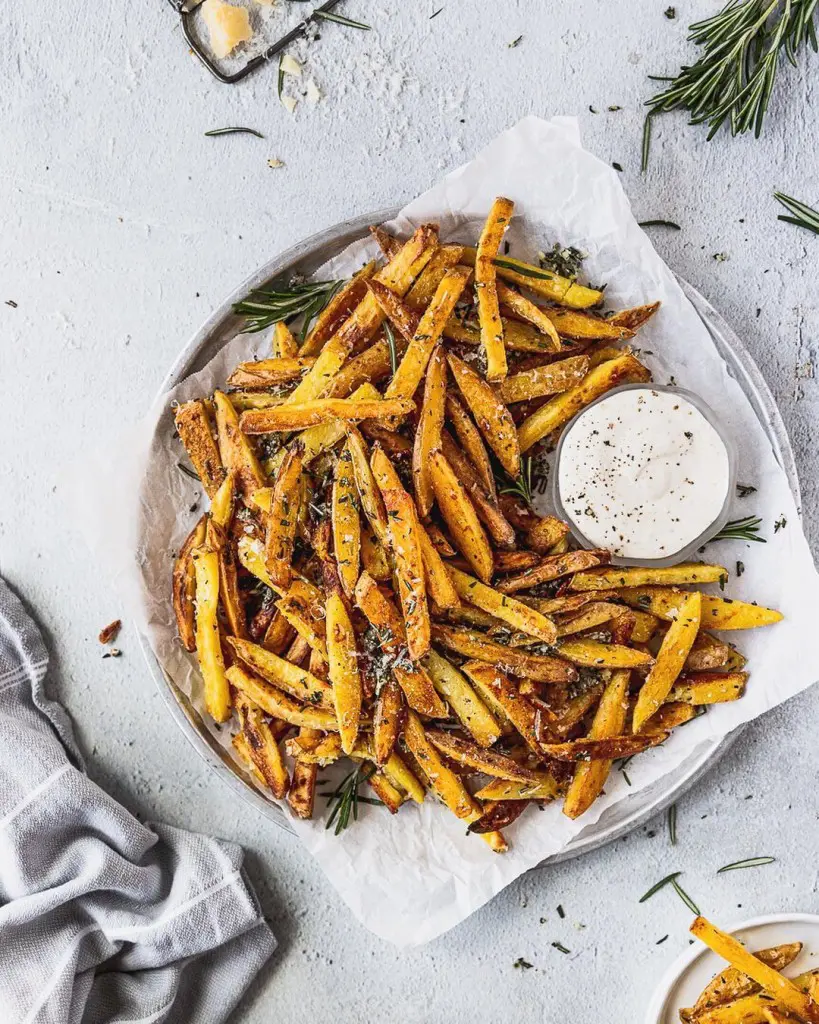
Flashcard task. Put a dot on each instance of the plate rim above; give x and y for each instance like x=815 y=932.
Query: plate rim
x=680 y=965
x=303 y=254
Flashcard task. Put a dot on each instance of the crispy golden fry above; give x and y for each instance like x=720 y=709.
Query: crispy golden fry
x=670 y=660
x=472 y=644
x=748 y=1009
x=671 y=715
x=302 y=794
x=470 y=755
x=387 y=719
x=460 y=517
x=732 y=984
x=229 y=594
x=184 y=586
x=609 y=720
x=493 y=418
x=516 y=614
x=593 y=614
x=708 y=687
x=247 y=399
x=404 y=780
x=391 y=797
x=281 y=521
x=281 y=673
x=709 y=653
x=526 y=310
x=717 y=612
x=594 y=654
x=319 y=439
x=237 y=454
x=263 y=747
x=439 y=541
x=374 y=553
x=552 y=567
x=404 y=539
x=635 y=317
x=297 y=613
x=439 y=585
x=545 y=787
x=489 y=513
x=342 y=658
x=265 y=373
x=445 y=783
x=277 y=703
x=472 y=443
x=346 y=523
x=208 y=640
x=371 y=501
x=387 y=243
x=543 y=282
x=283 y=345
x=486 y=287
x=788 y=995
x=559 y=410
x=193 y=425
x=411 y=368
x=622 y=576
x=369 y=367
x=337 y=311
x=242 y=748
x=546 y=535
x=310 y=414
x=443 y=259
x=221 y=505
x=517 y=336
x=492 y=684
x=467 y=705
x=607 y=749
x=551 y=379
x=583 y=327
x=515 y=561
x=326 y=750
x=403 y=317
x=428 y=432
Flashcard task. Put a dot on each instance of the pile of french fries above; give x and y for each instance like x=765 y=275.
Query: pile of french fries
x=363 y=588
x=753 y=990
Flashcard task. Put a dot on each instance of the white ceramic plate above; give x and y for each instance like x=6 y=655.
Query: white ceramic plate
x=691 y=972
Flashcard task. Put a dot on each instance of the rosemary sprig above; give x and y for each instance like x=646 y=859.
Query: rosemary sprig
x=341 y=20
x=234 y=130
x=524 y=271
x=522 y=487
x=660 y=885
x=751 y=862
x=801 y=215
x=345 y=798
x=390 y=336
x=734 y=76
x=263 y=308
x=741 y=529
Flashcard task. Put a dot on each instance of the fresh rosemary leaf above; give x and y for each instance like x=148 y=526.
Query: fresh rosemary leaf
x=263 y=308
x=341 y=20
x=678 y=889
x=188 y=472
x=565 y=260
x=751 y=862
x=660 y=224
x=561 y=947
x=660 y=885
x=345 y=798
x=741 y=529
x=234 y=130
x=390 y=336
x=280 y=79
x=672 y=824
x=435 y=13
x=540 y=275
x=522 y=486
x=801 y=215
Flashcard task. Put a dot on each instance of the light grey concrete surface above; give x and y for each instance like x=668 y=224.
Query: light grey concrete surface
x=122 y=226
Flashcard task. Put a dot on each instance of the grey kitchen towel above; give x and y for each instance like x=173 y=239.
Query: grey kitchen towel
x=103 y=918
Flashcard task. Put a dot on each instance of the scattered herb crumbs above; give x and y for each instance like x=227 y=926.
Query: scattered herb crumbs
x=721 y=257
x=743 y=490
x=613 y=107
x=561 y=947
x=435 y=13
x=626 y=777
x=274 y=163
x=740 y=568
x=670 y=13
x=780 y=524
x=543 y=920
x=659 y=942
x=561 y=913
x=12 y=303
x=515 y=42
x=616 y=166
x=593 y=111
x=110 y=631
x=112 y=652
x=750 y=862
x=187 y=471
x=234 y=130
x=522 y=964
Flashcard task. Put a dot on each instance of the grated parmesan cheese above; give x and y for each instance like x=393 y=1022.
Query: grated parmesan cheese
x=227 y=26
x=289 y=103
x=290 y=66
x=274 y=163
x=314 y=94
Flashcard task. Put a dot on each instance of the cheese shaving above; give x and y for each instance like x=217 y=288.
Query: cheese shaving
x=227 y=26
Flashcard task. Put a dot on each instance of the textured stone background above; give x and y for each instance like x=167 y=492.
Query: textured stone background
x=123 y=226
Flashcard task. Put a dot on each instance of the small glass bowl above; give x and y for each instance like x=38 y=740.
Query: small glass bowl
x=691 y=549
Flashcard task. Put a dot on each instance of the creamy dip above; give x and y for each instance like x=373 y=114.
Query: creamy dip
x=643 y=473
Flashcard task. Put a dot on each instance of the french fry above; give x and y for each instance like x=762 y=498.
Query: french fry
x=404 y=530
x=489 y=513
x=731 y=984
x=671 y=715
x=471 y=644
x=596 y=613
x=517 y=336
x=593 y=654
x=236 y=452
x=193 y=425
x=282 y=674
x=545 y=787
x=387 y=719
x=710 y=653
x=526 y=310
x=635 y=317
x=312 y=413
x=788 y=995
x=346 y=523
x=240 y=745
x=184 y=586
x=543 y=282
x=411 y=369
x=493 y=418
x=467 y=705
x=373 y=553
x=460 y=517
x=438 y=581
x=369 y=367
x=472 y=443
x=321 y=438
x=470 y=755
x=278 y=704
x=423 y=289
x=309 y=626
x=489 y=316
x=263 y=747
x=403 y=317
x=428 y=432
x=283 y=345
x=552 y=567
x=635 y=576
x=282 y=519
x=302 y=794
x=747 y=1009
x=576 y=326
x=551 y=379
x=516 y=614
x=208 y=641
x=607 y=749
x=391 y=797
x=372 y=503
x=265 y=373
x=342 y=658
x=669 y=662
x=337 y=311
x=229 y=594
x=491 y=683
x=221 y=505
x=609 y=720
x=559 y=410
x=717 y=612
x=708 y=687
x=400 y=775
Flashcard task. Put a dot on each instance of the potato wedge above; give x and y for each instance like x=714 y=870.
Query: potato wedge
x=470 y=755
x=731 y=984
x=489 y=317
x=403 y=317
x=428 y=432
x=551 y=379
x=221 y=505
x=545 y=787
x=460 y=517
x=525 y=309
x=559 y=410
x=184 y=586
x=635 y=576
x=193 y=425
x=302 y=793
x=337 y=311
x=263 y=747
x=717 y=612
x=369 y=367
x=387 y=719
x=710 y=653
x=281 y=673
x=552 y=567
x=471 y=711
x=708 y=687
x=342 y=659
x=635 y=317
x=748 y=1009
x=576 y=326
x=372 y=503
x=236 y=451
x=423 y=289
x=608 y=749
x=670 y=660
x=515 y=661
x=346 y=522
x=411 y=369
x=319 y=439
x=229 y=593
x=517 y=615
x=489 y=513
x=472 y=443
x=312 y=413
x=208 y=641
x=278 y=704
x=439 y=584
x=517 y=336
x=374 y=558
x=493 y=418
x=593 y=654
x=266 y=373
x=282 y=520
x=492 y=684
x=542 y=282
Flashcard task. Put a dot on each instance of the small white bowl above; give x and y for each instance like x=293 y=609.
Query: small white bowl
x=690 y=973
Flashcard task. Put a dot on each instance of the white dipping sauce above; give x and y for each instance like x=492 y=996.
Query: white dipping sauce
x=643 y=473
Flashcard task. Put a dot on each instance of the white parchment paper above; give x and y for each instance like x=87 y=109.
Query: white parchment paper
x=411 y=876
